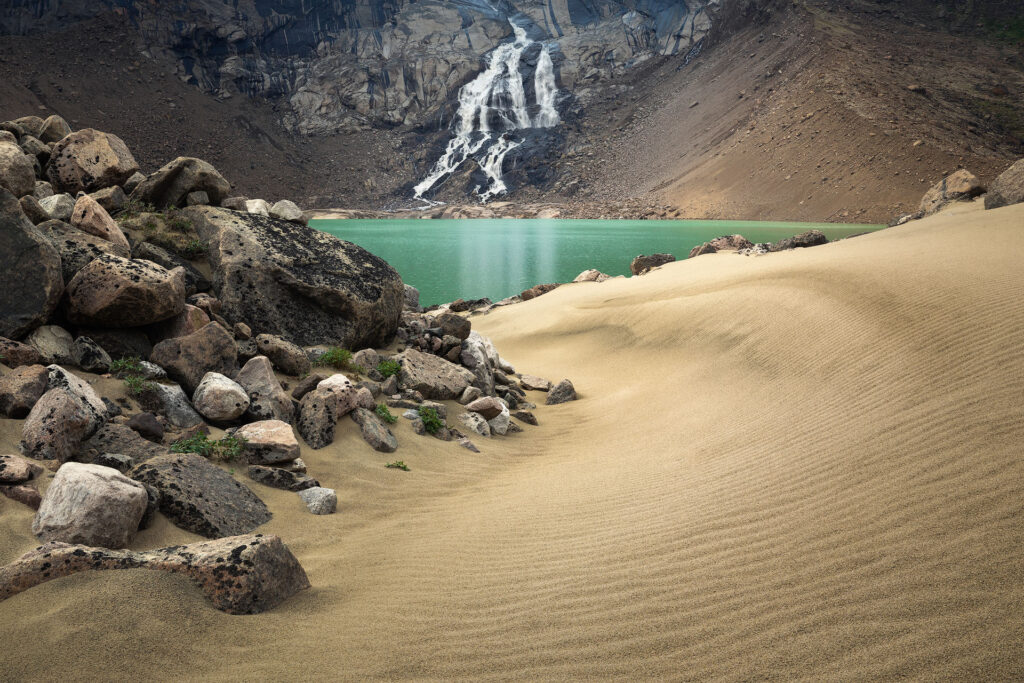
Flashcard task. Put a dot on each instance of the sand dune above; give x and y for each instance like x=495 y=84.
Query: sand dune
x=808 y=465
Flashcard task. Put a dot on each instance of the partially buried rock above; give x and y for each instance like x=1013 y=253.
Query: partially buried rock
x=643 y=264
x=500 y=423
x=219 y=398
x=90 y=357
x=320 y=501
x=90 y=504
x=88 y=160
x=592 y=275
x=239 y=575
x=525 y=416
x=200 y=497
x=960 y=185
x=188 y=359
x=268 y=442
x=433 y=377
x=475 y=423
x=24 y=494
x=267 y=399
x=21 y=389
x=1008 y=188
x=488 y=406
x=117 y=292
x=123 y=439
x=534 y=383
x=563 y=392
x=15 y=469
x=374 y=431
x=279 y=478
x=285 y=356
x=171 y=185
x=811 y=238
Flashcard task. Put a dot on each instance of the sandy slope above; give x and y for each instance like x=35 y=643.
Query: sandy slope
x=802 y=466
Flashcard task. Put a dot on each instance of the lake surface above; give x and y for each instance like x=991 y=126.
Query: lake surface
x=496 y=258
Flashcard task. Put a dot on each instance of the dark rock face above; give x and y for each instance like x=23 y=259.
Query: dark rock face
x=293 y=281
x=278 y=478
x=187 y=359
x=195 y=281
x=77 y=249
x=239 y=575
x=89 y=160
x=30 y=272
x=117 y=438
x=811 y=238
x=172 y=184
x=642 y=264
x=200 y=497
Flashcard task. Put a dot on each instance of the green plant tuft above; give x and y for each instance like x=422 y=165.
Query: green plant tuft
x=136 y=386
x=389 y=367
x=126 y=365
x=398 y=465
x=227 y=449
x=431 y=420
x=385 y=414
x=337 y=357
x=193 y=249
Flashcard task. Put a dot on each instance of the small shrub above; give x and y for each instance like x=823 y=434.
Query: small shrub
x=193 y=249
x=336 y=357
x=398 y=465
x=227 y=449
x=389 y=367
x=385 y=414
x=431 y=420
x=136 y=386
x=134 y=207
x=177 y=222
x=126 y=365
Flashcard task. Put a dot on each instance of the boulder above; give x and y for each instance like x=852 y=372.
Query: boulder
x=592 y=275
x=112 y=199
x=21 y=389
x=147 y=426
x=960 y=185
x=475 y=423
x=88 y=216
x=43 y=190
x=17 y=172
x=279 y=478
x=15 y=469
x=307 y=385
x=538 y=290
x=563 y=392
x=33 y=210
x=534 y=383
x=90 y=356
x=299 y=283
x=318 y=416
x=268 y=442
x=285 y=356
x=15 y=354
x=34 y=147
x=60 y=207
x=433 y=377
x=469 y=395
x=112 y=291
x=454 y=325
x=187 y=359
x=24 y=494
x=90 y=504
x=724 y=243
x=500 y=423
x=77 y=249
x=133 y=182
x=267 y=399
x=67 y=414
x=30 y=274
x=1008 y=188
x=374 y=431
x=642 y=264
x=171 y=401
x=239 y=575
x=286 y=210
x=54 y=344
x=811 y=238
x=171 y=185
x=198 y=496
x=54 y=129
x=88 y=160
x=257 y=207
x=488 y=407
x=195 y=281
x=197 y=198
x=189 y=321
x=124 y=343
x=320 y=501
x=476 y=355
x=525 y=416
x=411 y=299
x=123 y=439
x=220 y=399
x=120 y=462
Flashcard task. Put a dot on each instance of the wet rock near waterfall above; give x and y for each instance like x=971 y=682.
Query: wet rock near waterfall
x=296 y=282
x=198 y=496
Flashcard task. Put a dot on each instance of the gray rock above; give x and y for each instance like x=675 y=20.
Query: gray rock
x=286 y=210
x=200 y=497
x=172 y=402
x=433 y=377
x=147 y=426
x=60 y=207
x=525 y=416
x=469 y=395
x=88 y=160
x=811 y=238
x=122 y=439
x=268 y=442
x=1008 y=188
x=267 y=399
x=90 y=504
x=30 y=273
x=54 y=344
x=90 y=357
x=643 y=264
x=195 y=281
x=475 y=423
x=133 y=182
x=112 y=199
x=219 y=398
x=563 y=392
x=389 y=386
x=54 y=129
x=43 y=190
x=499 y=423
x=279 y=478
x=411 y=299
x=171 y=185
x=468 y=445
x=318 y=417
x=117 y=461
x=21 y=389
x=257 y=207
x=374 y=431
x=197 y=198
x=68 y=413
x=187 y=359
x=320 y=501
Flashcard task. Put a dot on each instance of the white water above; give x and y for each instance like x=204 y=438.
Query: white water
x=491 y=107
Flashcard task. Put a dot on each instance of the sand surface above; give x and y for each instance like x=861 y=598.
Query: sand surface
x=808 y=465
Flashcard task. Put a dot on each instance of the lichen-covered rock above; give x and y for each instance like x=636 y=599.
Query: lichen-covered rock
x=299 y=283
x=90 y=356
x=77 y=249
x=239 y=574
x=17 y=172
x=171 y=185
x=117 y=292
x=21 y=389
x=318 y=417
x=189 y=321
x=90 y=504
x=88 y=160
x=219 y=398
x=30 y=274
x=960 y=185
x=171 y=401
x=200 y=497
x=268 y=442
x=68 y=413
x=118 y=438
x=563 y=392
x=285 y=356
x=280 y=478
x=1008 y=188
x=320 y=501
x=88 y=216
x=433 y=377
x=374 y=431
x=124 y=343
x=267 y=399
x=195 y=281
x=187 y=359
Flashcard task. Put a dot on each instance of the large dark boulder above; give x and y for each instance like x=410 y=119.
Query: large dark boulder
x=30 y=272
x=117 y=292
x=811 y=238
x=200 y=497
x=172 y=184
x=88 y=160
x=291 y=280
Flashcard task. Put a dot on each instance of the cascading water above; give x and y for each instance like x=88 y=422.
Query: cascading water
x=491 y=108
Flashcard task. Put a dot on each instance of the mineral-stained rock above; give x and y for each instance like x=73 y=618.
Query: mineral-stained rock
x=1008 y=188
x=642 y=264
x=171 y=185
x=320 y=501
x=219 y=398
x=475 y=423
x=374 y=431
x=88 y=216
x=239 y=575
x=318 y=416
x=88 y=160
x=297 y=282
x=195 y=281
x=90 y=504
x=188 y=359
x=267 y=399
x=268 y=442
x=279 y=478
x=958 y=186
x=117 y=292
x=563 y=392
x=147 y=426
x=90 y=357
x=811 y=238
x=15 y=469
x=285 y=356
x=30 y=274
x=17 y=172
x=432 y=376
x=60 y=207
x=77 y=249
x=488 y=407
x=21 y=389
x=54 y=344
x=172 y=402
x=200 y=497
x=15 y=354
x=118 y=438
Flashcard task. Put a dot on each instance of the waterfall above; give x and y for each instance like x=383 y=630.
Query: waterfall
x=491 y=108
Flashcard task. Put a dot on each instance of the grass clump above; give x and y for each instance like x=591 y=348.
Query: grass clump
x=338 y=358
x=136 y=385
x=227 y=449
x=398 y=465
x=389 y=367
x=134 y=207
x=193 y=249
x=431 y=421
x=127 y=365
x=385 y=414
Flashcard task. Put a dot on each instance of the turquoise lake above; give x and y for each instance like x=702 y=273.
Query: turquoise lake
x=496 y=258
